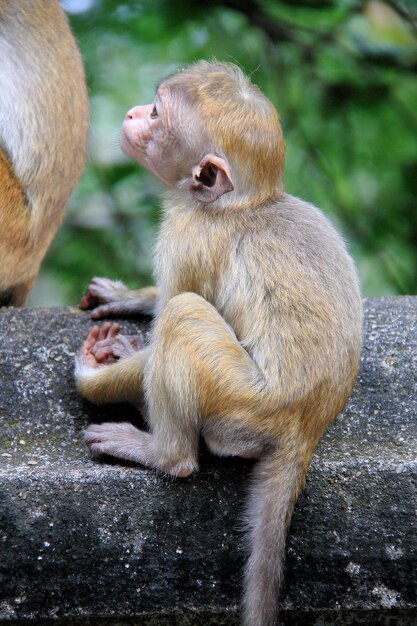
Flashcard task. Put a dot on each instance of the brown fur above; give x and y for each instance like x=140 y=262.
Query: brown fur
x=254 y=120
x=257 y=329
x=43 y=128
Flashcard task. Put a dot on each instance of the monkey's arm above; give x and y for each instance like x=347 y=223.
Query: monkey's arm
x=111 y=298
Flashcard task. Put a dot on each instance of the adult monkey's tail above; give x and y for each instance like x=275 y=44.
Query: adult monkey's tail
x=277 y=481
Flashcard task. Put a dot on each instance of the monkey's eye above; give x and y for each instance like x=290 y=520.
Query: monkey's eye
x=154 y=112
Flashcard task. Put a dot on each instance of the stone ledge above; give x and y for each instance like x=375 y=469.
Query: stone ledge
x=84 y=542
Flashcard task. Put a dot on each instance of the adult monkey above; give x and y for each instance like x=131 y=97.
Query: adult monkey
x=258 y=315
x=43 y=136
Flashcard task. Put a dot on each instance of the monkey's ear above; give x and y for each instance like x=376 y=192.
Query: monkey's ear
x=210 y=179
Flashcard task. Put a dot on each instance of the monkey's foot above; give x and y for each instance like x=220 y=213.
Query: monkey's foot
x=124 y=441
x=121 y=440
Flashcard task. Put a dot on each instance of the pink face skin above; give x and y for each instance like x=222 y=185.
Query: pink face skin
x=147 y=136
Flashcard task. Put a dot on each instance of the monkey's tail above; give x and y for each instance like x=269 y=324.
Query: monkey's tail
x=277 y=480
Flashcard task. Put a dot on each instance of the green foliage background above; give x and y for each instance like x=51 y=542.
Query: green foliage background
x=342 y=74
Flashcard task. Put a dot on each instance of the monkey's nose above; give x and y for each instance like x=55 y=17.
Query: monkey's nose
x=135 y=112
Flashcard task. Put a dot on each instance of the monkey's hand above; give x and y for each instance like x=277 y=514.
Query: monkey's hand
x=89 y=354
x=105 y=345
x=116 y=346
x=111 y=298
x=102 y=291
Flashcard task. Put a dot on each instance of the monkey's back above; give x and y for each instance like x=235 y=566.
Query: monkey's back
x=290 y=292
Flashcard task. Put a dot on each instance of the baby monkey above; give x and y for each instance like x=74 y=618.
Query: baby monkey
x=257 y=313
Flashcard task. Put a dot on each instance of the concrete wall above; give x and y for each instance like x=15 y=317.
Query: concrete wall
x=86 y=542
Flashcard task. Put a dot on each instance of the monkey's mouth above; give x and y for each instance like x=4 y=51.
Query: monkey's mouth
x=129 y=147
x=124 y=139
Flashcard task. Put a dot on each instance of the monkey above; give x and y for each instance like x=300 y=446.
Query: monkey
x=43 y=136
x=257 y=314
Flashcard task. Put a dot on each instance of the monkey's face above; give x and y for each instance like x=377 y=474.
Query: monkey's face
x=151 y=136
x=168 y=139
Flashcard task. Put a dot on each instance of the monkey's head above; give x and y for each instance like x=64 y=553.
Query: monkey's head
x=210 y=132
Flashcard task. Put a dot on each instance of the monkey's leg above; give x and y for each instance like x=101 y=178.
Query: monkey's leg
x=199 y=373
x=111 y=298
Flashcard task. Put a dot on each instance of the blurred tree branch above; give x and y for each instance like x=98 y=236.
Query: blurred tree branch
x=404 y=12
x=280 y=30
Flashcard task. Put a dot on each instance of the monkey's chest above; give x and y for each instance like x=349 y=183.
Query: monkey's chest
x=186 y=264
